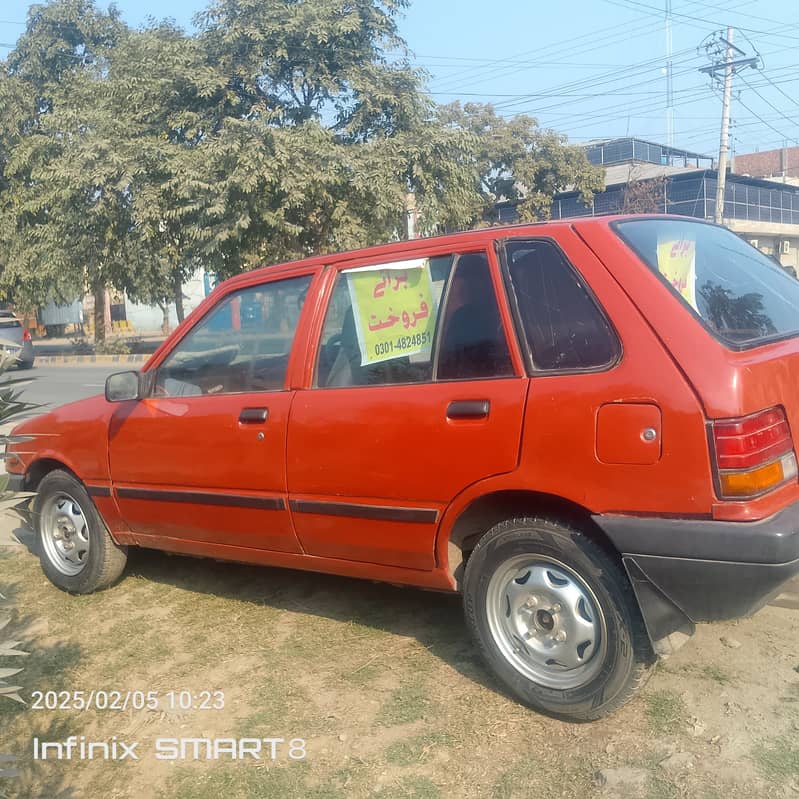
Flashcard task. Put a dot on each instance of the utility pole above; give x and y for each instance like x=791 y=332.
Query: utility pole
x=724 y=141
x=669 y=79
x=410 y=215
x=717 y=45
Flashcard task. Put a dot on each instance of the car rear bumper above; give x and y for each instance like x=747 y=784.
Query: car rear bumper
x=685 y=570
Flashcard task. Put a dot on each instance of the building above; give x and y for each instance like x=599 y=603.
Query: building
x=123 y=316
x=763 y=211
x=781 y=165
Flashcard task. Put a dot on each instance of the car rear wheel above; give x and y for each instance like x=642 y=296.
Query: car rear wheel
x=556 y=619
x=76 y=550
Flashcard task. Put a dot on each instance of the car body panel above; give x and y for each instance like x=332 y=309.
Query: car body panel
x=203 y=474
x=727 y=383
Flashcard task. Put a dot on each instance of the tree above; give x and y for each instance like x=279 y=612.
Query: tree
x=282 y=129
x=516 y=160
x=644 y=196
x=332 y=93
x=65 y=208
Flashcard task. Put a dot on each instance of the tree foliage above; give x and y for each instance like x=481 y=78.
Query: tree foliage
x=644 y=196
x=280 y=129
x=516 y=160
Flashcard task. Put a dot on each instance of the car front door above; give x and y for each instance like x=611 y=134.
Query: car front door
x=203 y=457
x=415 y=396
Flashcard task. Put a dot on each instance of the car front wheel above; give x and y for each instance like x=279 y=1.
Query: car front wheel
x=76 y=550
x=556 y=619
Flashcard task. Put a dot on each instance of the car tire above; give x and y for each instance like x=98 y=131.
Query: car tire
x=25 y=365
x=76 y=550
x=555 y=618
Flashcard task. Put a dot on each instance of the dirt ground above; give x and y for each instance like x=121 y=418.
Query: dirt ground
x=382 y=685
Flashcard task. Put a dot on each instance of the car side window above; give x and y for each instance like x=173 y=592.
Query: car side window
x=383 y=324
x=564 y=326
x=242 y=345
x=473 y=343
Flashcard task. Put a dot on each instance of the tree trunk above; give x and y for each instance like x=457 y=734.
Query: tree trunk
x=178 y=292
x=99 y=315
x=164 y=306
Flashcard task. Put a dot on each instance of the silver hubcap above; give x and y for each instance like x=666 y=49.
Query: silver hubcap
x=65 y=534
x=546 y=621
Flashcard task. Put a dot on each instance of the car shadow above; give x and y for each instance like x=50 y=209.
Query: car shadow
x=434 y=619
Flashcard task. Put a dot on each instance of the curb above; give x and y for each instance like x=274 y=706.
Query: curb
x=66 y=360
x=789 y=599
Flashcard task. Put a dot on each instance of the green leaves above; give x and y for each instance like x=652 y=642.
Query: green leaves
x=281 y=129
x=515 y=160
x=9 y=648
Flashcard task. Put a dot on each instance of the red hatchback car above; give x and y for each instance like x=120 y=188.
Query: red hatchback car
x=584 y=427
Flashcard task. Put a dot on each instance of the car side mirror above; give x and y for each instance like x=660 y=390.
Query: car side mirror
x=123 y=386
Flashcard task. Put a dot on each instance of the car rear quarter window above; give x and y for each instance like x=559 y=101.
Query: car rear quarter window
x=741 y=296
x=562 y=323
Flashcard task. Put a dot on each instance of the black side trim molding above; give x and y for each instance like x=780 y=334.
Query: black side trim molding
x=382 y=513
x=203 y=498
x=98 y=491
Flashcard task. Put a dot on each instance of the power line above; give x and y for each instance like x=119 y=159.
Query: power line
x=783 y=93
x=772 y=106
x=768 y=125
x=575 y=45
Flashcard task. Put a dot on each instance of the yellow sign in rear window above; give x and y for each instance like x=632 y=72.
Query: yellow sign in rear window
x=394 y=309
x=677 y=263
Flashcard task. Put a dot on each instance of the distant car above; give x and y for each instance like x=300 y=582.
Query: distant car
x=12 y=330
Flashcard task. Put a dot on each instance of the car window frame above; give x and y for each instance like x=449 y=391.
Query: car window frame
x=332 y=274
x=532 y=369
x=732 y=346
x=211 y=304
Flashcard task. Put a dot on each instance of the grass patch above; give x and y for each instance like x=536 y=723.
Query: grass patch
x=417 y=749
x=779 y=759
x=364 y=675
x=716 y=674
x=410 y=702
x=666 y=712
x=244 y=782
x=661 y=788
x=410 y=788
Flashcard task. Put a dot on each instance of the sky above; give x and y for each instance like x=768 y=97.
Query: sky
x=589 y=69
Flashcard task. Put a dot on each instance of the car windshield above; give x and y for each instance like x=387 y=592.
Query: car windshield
x=741 y=295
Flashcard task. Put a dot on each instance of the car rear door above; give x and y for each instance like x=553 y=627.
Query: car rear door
x=416 y=395
x=203 y=457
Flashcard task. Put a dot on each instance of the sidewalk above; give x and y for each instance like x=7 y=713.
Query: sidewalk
x=55 y=351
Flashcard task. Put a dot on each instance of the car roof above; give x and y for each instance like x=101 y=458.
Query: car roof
x=480 y=237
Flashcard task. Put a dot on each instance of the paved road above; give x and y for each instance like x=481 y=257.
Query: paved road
x=56 y=385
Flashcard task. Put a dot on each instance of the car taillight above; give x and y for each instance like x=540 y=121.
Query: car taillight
x=753 y=454
x=26 y=334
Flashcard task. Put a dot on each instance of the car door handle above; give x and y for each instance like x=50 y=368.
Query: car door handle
x=468 y=409
x=253 y=415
